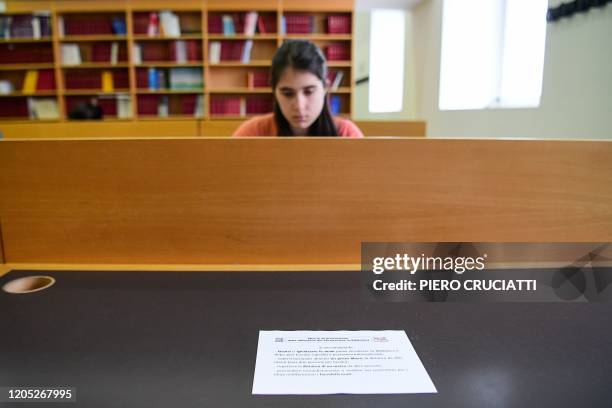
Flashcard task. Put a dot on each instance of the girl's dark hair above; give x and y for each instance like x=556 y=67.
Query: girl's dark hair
x=302 y=55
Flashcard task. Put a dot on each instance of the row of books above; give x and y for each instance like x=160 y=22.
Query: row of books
x=230 y=51
x=113 y=53
x=32 y=108
x=37 y=25
x=249 y=23
x=157 y=24
x=152 y=78
x=25 y=54
x=304 y=23
x=166 y=24
x=120 y=106
x=91 y=24
x=231 y=105
x=106 y=80
x=172 y=79
x=180 y=51
x=33 y=81
x=164 y=105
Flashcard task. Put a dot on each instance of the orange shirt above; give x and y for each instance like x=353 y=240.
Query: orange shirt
x=265 y=125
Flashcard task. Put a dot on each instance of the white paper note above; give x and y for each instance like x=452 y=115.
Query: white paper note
x=338 y=362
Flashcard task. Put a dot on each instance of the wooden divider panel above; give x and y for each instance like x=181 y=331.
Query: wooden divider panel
x=292 y=201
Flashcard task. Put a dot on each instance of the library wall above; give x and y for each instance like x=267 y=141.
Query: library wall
x=576 y=98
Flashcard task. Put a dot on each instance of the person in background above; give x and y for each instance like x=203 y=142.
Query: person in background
x=300 y=89
x=87 y=111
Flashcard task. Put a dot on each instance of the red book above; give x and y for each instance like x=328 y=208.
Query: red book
x=142 y=78
x=193 y=50
x=225 y=105
x=261 y=79
x=123 y=55
x=261 y=25
x=121 y=79
x=253 y=105
x=270 y=22
x=299 y=23
x=147 y=104
x=101 y=52
x=338 y=52
x=215 y=24
x=239 y=19
x=141 y=23
x=339 y=24
x=108 y=106
x=46 y=80
x=14 y=107
x=154 y=51
x=188 y=104
x=231 y=50
x=86 y=79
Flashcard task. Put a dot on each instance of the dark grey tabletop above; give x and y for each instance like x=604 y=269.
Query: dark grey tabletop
x=189 y=339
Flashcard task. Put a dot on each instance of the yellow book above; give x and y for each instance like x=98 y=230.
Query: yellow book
x=30 y=81
x=107 y=81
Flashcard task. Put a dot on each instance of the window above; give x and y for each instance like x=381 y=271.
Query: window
x=492 y=53
x=387 y=37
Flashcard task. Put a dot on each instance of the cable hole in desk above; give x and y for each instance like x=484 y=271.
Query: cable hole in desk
x=28 y=284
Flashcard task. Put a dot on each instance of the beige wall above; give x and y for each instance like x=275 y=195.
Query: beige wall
x=577 y=90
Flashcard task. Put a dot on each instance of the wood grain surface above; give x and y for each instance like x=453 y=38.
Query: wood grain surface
x=292 y=201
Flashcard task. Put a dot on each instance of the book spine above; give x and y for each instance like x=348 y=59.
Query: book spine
x=153 y=85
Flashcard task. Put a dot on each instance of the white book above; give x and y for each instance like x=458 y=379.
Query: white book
x=114 y=55
x=162 y=107
x=246 y=51
x=250 y=23
x=214 y=52
x=7 y=27
x=199 y=109
x=6 y=87
x=60 y=26
x=170 y=24
x=43 y=108
x=243 y=107
x=153 y=27
x=337 y=80
x=137 y=54
x=31 y=108
x=35 y=27
x=124 y=106
x=180 y=48
x=71 y=54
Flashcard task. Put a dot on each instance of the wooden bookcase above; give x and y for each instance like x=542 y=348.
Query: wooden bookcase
x=106 y=50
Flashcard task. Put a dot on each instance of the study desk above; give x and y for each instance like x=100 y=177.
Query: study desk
x=189 y=339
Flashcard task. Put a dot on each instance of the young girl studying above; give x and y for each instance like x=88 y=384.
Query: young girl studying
x=300 y=88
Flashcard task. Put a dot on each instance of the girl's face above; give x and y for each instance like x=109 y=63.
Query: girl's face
x=300 y=96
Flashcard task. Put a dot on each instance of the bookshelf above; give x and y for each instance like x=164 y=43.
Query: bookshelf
x=147 y=60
